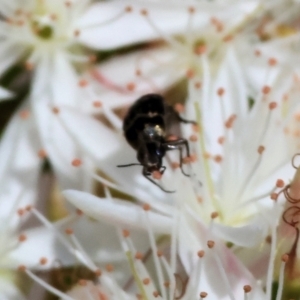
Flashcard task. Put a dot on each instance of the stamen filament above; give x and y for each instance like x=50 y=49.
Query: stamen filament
x=272 y=258
x=113 y=19
x=167 y=38
x=281 y=277
x=223 y=273
x=155 y=258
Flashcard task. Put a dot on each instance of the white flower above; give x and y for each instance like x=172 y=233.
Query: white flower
x=238 y=162
x=213 y=263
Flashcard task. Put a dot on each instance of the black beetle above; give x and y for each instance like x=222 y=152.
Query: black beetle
x=146 y=128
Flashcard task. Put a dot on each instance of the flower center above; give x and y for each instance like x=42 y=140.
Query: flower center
x=42 y=26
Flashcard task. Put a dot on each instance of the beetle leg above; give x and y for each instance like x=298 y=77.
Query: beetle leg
x=146 y=175
x=177 y=145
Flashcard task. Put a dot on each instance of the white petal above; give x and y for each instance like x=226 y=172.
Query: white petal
x=9 y=291
x=249 y=235
x=19 y=168
x=94 y=138
x=168 y=18
x=117 y=212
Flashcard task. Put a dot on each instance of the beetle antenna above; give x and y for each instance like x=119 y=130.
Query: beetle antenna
x=129 y=165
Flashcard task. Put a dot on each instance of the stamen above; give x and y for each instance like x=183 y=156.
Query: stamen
x=247 y=290
x=157 y=264
x=113 y=118
x=82 y=255
x=284 y=260
x=167 y=38
x=272 y=258
x=118 y=16
x=203 y=295
x=220 y=266
x=76 y=162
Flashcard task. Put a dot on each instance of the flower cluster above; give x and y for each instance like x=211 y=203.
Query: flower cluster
x=218 y=217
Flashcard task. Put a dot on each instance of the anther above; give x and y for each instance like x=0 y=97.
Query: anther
x=24 y=114
x=266 y=90
x=199 y=199
x=167 y=284
x=285 y=258
x=229 y=121
x=197 y=85
x=42 y=153
x=22 y=238
x=274 y=196
x=199 y=50
x=146 y=207
x=55 y=110
x=193 y=157
x=98 y=273
x=272 y=105
x=260 y=149
x=28 y=66
x=272 y=61
x=76 y=32
x=97 y=104
x=130 y=86
x=228 y=38
x=220 y=92
x=109 y=268
x=76 y=162
x=159 y=253
x=83 y=83
x=20 y=212
x=203 y=294
x=43 y=261
x=279 y=183
x=196 y=127
x=186 y=160
x=28 y=207
x=82 y=282
x=138 y=255
x=69 y=231
x=214 y=215
x=190 y=73
x=144 y=12
x=247 y=288
x=22 y=268
x=179 y=107
x=221 y=140
x=155 y=294
x=193 y=138
x=79 y=212
x=218 y=158
x=125 y=233
x=92 y=58
x=175 y=165
x=128 y=9
x=146 y=281
x=192 y=9
x=210 y=244
x=172 y=137
x=268 y=239
x=201 y=253
x=257 y=53
x=156 y=175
